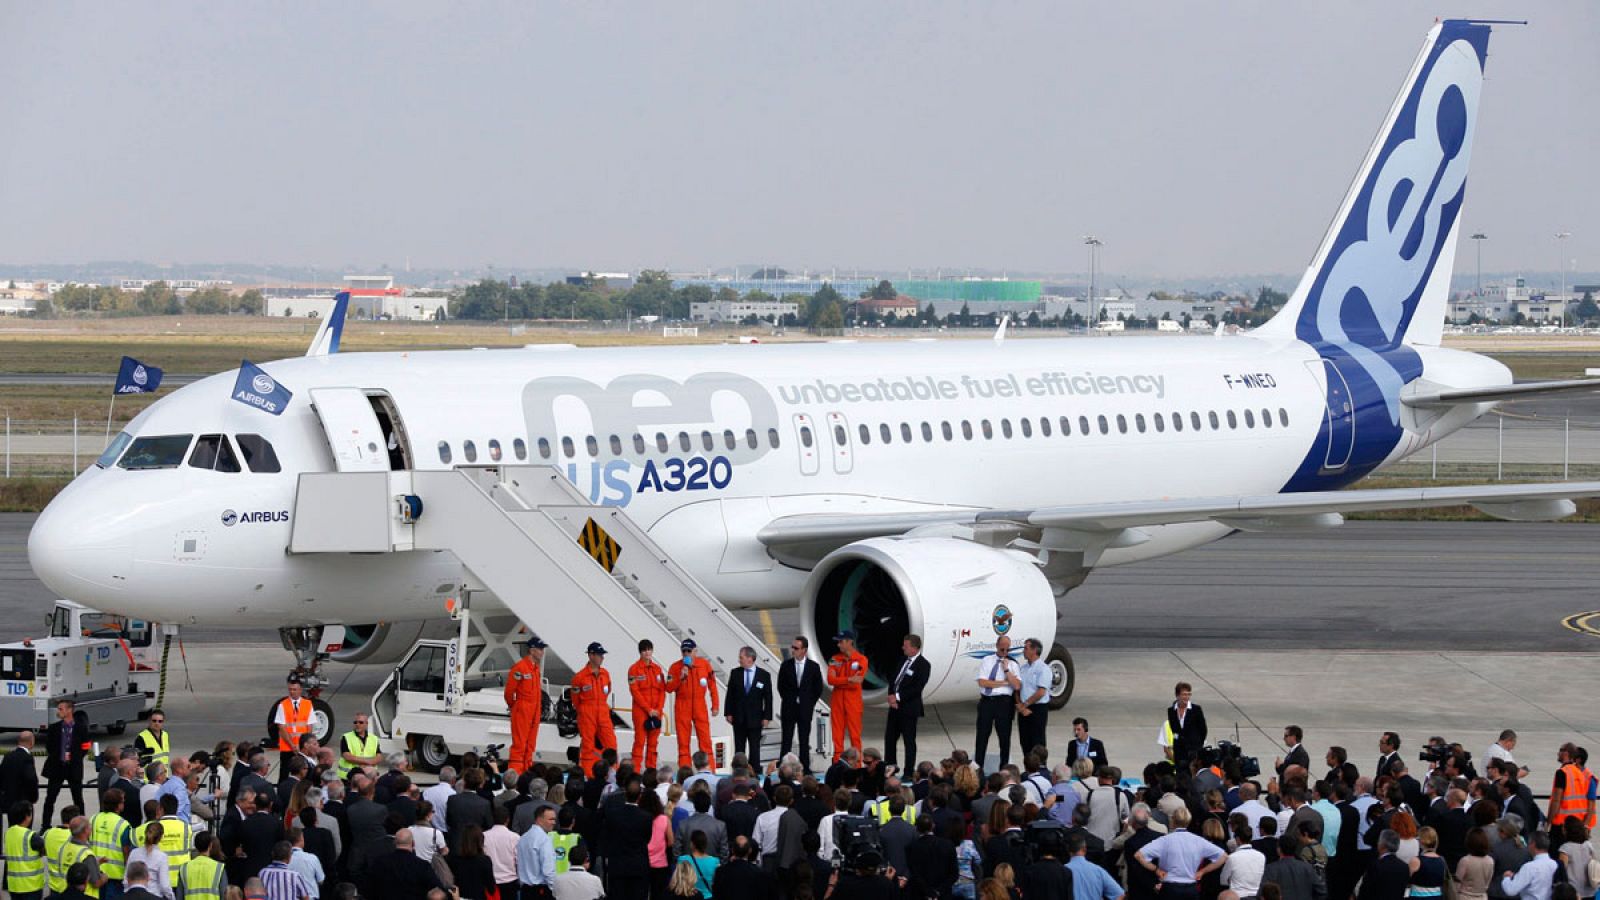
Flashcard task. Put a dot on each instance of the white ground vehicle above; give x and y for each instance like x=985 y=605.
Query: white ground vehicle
x=111 y=666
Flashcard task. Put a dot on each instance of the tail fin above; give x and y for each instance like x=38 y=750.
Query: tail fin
x=1381 y=276
x=326 y=340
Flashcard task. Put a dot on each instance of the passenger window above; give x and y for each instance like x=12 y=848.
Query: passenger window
x=988 y=430
x=1044 y=425
x=639 y=446
x=966 y=429
x=1005 y=428
x=729 y=440
x=750 y=438
x=927 y=433
x=1249 y=419
x=684 y=441
x=567 y=448
x=1105 y=427
x=1161 y=422
x=839 y=437
x=118 y=444
x=1122 y=423
x=591 y=445
x=163 y=452
x=1215 y=422
x=616 y=445
x=520 y=448
x=1083 y=426
x=905 y=431
x=886 y=433
x=948 y=434
x=212 y=451
x=1266 y=418
x=866 y=434
x=494 y=450
x=805 y=436
x=1027 y=427
x=707 y=441
x=1194 y=420
x=258 y=453
x=1138 y=422
x=772 y=437
x=544 y=448
x=661 y=443
x=1177 y=421
x=1283 y=417
x=470 y=451
x=1233 y=420
x=444 y=452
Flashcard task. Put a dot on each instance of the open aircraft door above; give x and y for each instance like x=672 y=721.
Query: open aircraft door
x=354 y=435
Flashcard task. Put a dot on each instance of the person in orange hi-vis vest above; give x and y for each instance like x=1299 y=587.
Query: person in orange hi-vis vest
x=524 y=700
x=688 y=680
x=846 y=670
x=293 y=719
x=648 y=686
x=1572 y=793
x=591 y=697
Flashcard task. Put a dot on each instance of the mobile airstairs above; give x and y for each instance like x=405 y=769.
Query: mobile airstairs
x=535 y=556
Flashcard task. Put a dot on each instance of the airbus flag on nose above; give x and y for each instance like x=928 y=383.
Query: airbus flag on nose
x=255 y=387
x=137 y=378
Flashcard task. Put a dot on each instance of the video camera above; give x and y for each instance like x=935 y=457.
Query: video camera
x=491 y=753
x=1045 y=836
x=1226 y=752
x=1438 y=750
x=859 y=847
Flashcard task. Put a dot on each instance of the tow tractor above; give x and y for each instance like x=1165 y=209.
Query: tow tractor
x=112 y=667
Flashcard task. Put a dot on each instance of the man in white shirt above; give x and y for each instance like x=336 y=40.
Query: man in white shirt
x=1245 y=866
x=766 y=830
x=577 y=883
x=1501 y=750
x=500 y=845
x=998 y=681
x=1252 y=809
x=440 y=794
x=1033 y=696
x=1534 y=880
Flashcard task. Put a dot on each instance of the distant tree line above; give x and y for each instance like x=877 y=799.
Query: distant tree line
x=155 y=299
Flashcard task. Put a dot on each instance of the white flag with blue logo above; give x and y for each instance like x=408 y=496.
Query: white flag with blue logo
x=256 y=388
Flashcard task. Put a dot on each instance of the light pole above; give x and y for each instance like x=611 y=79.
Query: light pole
x=1094 y=244
x=1478 y=238
x=1561 y=262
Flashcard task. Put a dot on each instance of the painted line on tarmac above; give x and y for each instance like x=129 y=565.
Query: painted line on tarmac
x=1583 y=623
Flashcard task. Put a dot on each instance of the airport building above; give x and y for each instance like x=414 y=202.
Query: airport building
x=371 y=297
x=739 y=310
x=848 y=288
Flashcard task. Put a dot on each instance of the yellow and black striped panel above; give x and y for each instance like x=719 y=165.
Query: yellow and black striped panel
x=599 y=545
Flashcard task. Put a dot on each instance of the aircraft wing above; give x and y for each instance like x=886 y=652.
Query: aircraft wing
x=1440 y=399
x=1071 y=527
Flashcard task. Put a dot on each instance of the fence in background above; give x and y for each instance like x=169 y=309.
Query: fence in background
x=1507 y=445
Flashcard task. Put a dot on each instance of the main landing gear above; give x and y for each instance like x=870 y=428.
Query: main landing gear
x=1063 y=676
x=305 y=642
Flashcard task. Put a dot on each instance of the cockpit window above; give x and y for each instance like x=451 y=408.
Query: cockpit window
x=212 y=451
x=258 y=453
x=118 y=444
x=160 y=452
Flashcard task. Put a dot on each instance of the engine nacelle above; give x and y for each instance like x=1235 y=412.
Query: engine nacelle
x=386 y=642
x=958 y=595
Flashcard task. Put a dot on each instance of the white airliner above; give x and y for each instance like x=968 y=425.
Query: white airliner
x=880 y=486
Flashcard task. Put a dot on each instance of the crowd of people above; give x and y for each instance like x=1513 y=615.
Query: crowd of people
x=295 y=820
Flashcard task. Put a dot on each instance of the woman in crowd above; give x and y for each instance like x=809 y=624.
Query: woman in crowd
x=1405 y=825
x=1429 y=871
x=1575 y=852
x=969 y=862
x=1475 y=872
x=473 y=871
x=429 y=839
x=660 y=842
x=701 y=864
x=155 y=860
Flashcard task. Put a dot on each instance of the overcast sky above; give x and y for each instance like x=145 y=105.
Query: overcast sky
x=1203 y=139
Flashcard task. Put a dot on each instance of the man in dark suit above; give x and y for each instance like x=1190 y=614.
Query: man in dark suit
x=18 y=778
x=65 y=744
x=702 y=820
x=625 y=840
x=1188 y=724
x=296 y=770
x=930 y=862
x=791 y=827
x=739 y=814
x=1345 y=868
x=1085 y=747
x=402 y=874
x=1452 y=824
x=896 y=835
x=1389 y=875
x=466 y=808
x=748 y=706
x=740 y=878
x=1293 y=735
x=258 y=833
x=1388 y=754
x=799 y=689
x=905 y=702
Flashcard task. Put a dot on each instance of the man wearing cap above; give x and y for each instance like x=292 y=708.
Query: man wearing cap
x=522 y=698
x=647 y=685
x=591 y=697
x=846 y=671
x=293 y=719
x=688 y=680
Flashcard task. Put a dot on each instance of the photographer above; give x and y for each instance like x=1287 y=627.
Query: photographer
x=1047 y=876
x=860 y=879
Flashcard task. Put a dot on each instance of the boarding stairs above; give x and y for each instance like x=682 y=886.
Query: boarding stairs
x=516 y=531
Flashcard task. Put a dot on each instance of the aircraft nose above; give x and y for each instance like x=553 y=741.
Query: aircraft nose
x=76 y=556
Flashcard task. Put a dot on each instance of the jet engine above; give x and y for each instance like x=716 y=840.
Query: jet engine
x=960 y=596
x=386 y=642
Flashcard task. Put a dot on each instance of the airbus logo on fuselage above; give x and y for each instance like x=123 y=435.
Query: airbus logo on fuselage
x=231 y=518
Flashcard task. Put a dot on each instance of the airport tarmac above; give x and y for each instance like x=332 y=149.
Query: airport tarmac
x=1457 y=629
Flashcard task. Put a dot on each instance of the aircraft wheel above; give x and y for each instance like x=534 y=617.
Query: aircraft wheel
x=1063 y=676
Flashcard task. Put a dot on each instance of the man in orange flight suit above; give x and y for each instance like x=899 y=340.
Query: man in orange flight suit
x=846 y=671
x=688 y=680
x=591 y=697
x=648 y=686
x=524 y=700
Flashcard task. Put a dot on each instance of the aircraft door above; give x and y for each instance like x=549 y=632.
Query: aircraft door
x=1341 y=419
x=839 y=433
x=352 y=428
x=807 y=440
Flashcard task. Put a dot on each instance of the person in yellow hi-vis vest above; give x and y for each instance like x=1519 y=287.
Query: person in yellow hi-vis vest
x=203 y=878
x=24 y=850
x=154 y=743
x=54 y=839
x=110 y=837
x=358 y=748
x=76 y=851
x=177 y=838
